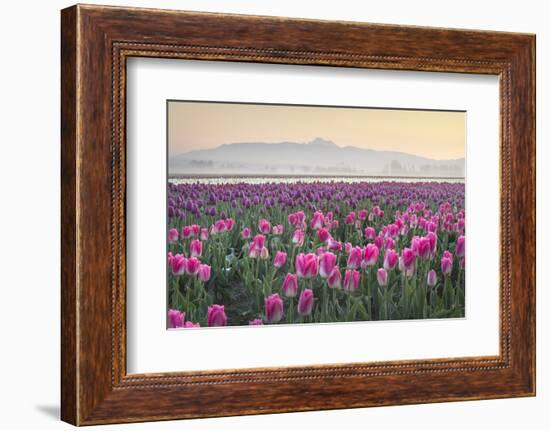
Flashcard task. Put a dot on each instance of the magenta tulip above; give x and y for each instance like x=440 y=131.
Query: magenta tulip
x=245 y=233
x=280 y=259
x=298 y=237
x=460 y=246
x=305 y=303
x=382 y=277
x=307 y=265
x=362 y=214
x=334 y=280
x=190 y=324
x=327 y=263
x=355 y=257
x=195 y=248
x=351 y=280
x=204 y=234
x=390 y=259
x=274 y=308
x=264 y=253
x=432 y=237
x=204 y=272
x=192 y=265
x=258 y=242
x=265 y=226
x=446 y=265
x=256 y=322
x=175 y=318
x=370 y=233
x=178 y=264
x=409 y=258
x=323 y=234
x=371 y=254
x=290 y=285
x=216 y=315
x=186 y=232
x=317 y=220
x=173 y=236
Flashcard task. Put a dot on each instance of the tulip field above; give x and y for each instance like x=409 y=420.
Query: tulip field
x=241 y=253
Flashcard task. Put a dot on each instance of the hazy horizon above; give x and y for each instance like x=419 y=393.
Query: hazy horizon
x=437 y=135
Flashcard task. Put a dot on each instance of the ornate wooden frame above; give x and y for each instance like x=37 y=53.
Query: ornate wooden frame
x=95 y=43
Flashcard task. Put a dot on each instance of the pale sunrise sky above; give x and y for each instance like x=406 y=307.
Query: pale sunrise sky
x=202 y=125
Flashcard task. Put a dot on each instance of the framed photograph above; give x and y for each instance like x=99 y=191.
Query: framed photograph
x=286 y=212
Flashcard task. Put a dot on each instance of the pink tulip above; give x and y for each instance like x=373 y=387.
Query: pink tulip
x=252 y=251
x=379 y=241
x=264 y=253
x=348 y=246
x=173 y=236
x=390 y=259
x=290 y=285
x=186 y=232
x=175 y=318
x=220 y=226
x=460 y=246
x=305 y=303
x=258 y=242
x=274 y=308
x=431 y=278
x=370 y=233
x=280 y=259
x=350 y=218
x=362 y=214
x=278 y=229
x=334 y=245
x=265 y=226
x=177 y=264
x=196 y=229
x=298 y=237
x=190 y=324
x=246 y=232
x=195 y=248
x=216 y=315
x=256 y=322
x=229 y=223
x=204 y=272
x=192 y=265
x=382 y=277
x=424 y=248
x=351 y=280
x=317 y=220
x=355 y=257
x=389 y=243
x=432 y=237
x=323 y=234
x=327 y=263
x=446 y=263
x=334 y=280
x=307 y=265
x=371 y=254
x=409 y=258
x=204 y=234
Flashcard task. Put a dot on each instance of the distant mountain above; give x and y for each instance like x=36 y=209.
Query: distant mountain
x=318 y=157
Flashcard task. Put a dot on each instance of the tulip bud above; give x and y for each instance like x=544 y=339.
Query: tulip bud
x=334 y=280
x=192 y=265
x=431 y=278
x=195 y=248
x=371 y=254
x=173 y=236
x=204 y=272
x=382 y=277
x=280 y=259
x=351 y=280
x=178 y=264
x=274 y=308
x=245 y=234
x=328 y=261
x=290 y=285
x=305 y=303
x=355 y=257
x=390 y=259
x=460 y=246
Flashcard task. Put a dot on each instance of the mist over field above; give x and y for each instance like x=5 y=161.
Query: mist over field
x=317 y=157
